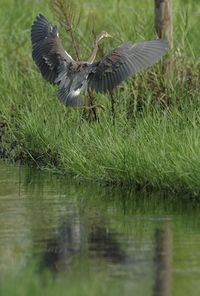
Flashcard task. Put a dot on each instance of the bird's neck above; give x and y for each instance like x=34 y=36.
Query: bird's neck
x=94 y=53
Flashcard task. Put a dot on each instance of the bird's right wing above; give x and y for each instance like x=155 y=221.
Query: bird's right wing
x=125 y=61
x=47 y=50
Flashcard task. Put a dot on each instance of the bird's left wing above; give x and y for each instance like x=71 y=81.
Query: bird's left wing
x=47 y=50
x=125 y=61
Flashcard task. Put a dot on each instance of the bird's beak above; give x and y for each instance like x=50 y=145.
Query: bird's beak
x=108 y=35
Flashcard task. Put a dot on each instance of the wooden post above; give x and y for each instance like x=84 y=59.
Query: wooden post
x=163 y=20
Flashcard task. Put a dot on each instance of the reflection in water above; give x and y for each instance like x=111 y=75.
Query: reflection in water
x=61 y=249
x=74 y=240
x=163 y=251
x=122 y=234
x=104 y=243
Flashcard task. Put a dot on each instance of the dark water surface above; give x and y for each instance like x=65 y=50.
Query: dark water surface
x=148 y=245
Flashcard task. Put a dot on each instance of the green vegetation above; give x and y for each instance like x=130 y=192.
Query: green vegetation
x=67 y=284
x=155 y=141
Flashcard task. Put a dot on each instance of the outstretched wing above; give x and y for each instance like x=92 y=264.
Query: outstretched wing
x=125 y=61
x=47 y=50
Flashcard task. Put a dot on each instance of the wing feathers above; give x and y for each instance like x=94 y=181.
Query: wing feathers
x=125 y=61
x=40 y=29
x=53 y=61
x=47 y=50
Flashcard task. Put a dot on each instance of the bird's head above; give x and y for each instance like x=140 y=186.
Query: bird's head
x=102 y=35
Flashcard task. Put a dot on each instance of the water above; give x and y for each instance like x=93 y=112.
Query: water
x=84 y=236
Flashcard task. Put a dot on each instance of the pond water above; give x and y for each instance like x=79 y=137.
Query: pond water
x=94 y=240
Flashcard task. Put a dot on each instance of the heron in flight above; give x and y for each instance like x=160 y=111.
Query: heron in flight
x=73 y=77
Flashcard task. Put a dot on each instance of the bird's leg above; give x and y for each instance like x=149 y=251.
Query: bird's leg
x=112 y=106
x=92 y=110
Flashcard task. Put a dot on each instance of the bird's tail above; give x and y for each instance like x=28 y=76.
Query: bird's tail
x=69 y=99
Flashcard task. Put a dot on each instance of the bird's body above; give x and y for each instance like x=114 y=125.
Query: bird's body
x=72 y=80
x=73 y=77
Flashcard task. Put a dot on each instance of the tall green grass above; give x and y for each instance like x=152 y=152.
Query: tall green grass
x=155 y=141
